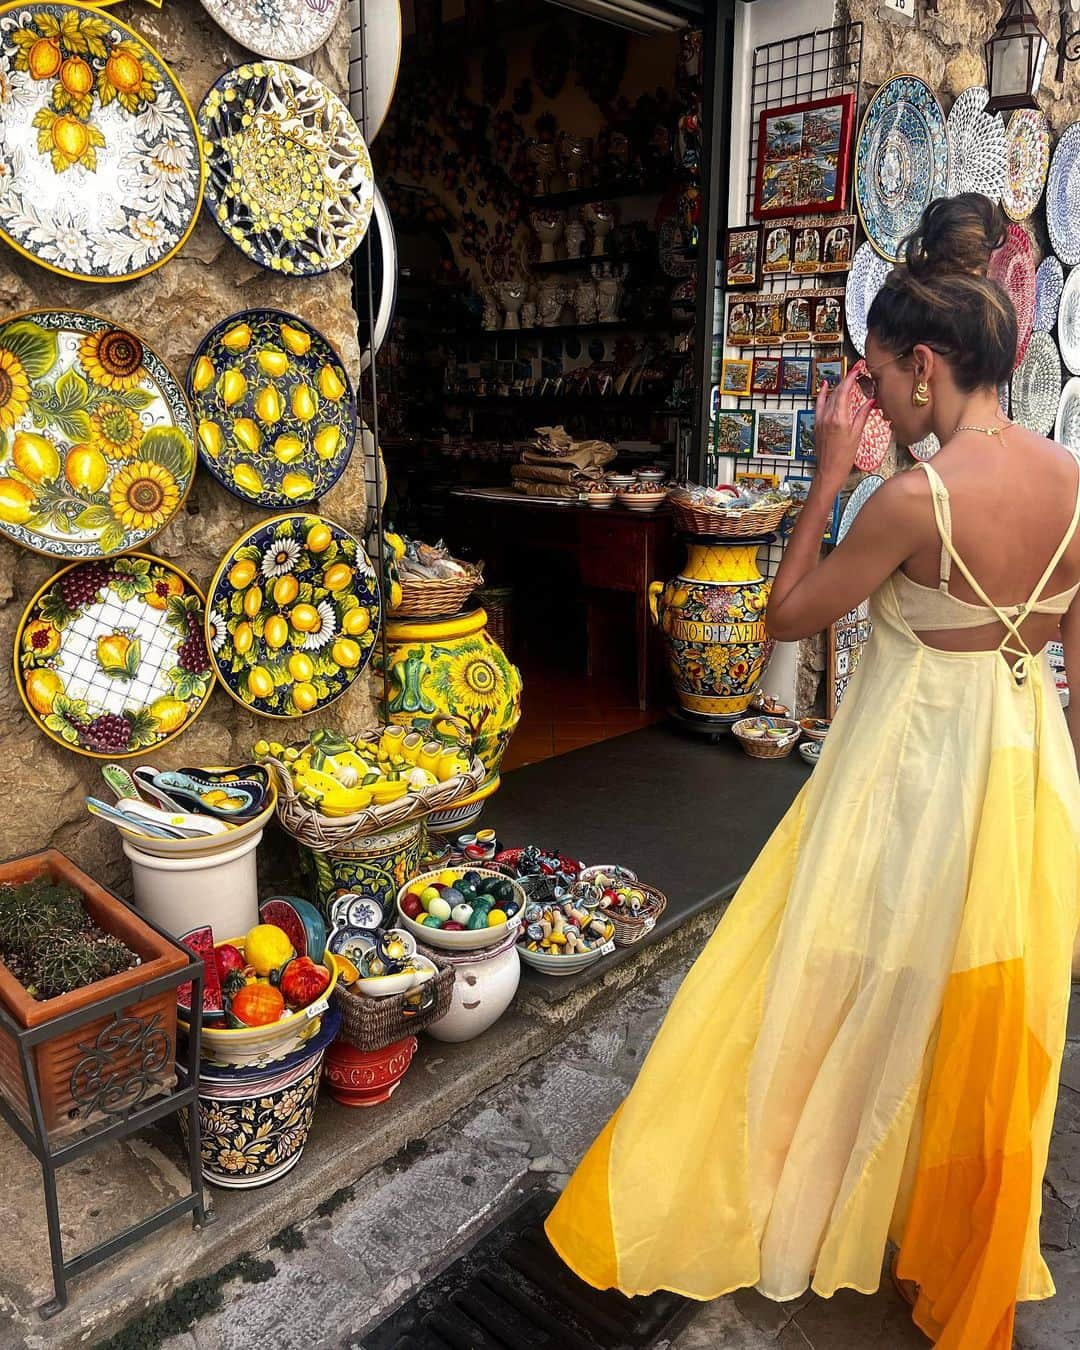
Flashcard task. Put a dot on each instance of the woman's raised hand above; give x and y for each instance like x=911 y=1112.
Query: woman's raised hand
x=837 y=432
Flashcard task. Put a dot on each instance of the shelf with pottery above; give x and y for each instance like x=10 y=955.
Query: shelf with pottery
x=600 y=192
x=653 y=325
x=586 y=260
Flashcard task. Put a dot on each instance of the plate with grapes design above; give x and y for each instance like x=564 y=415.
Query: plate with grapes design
x=293 y=615
x=96 y=438
x=274 y=407
x=111 y=658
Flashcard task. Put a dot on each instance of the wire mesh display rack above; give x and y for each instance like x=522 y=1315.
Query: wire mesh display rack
x=820 y=64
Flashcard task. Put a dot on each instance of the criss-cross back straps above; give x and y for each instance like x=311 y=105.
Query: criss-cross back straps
x=1013 y=615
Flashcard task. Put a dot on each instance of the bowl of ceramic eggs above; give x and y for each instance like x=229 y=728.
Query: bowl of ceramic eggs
x=565 y=936
x=461 y=908
x=767 y=737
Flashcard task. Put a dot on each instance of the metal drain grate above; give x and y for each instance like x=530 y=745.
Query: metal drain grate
x=510 y=1291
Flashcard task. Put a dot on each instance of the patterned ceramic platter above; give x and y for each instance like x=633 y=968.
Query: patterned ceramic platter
x=293 y=615
x=1063 y=197
x=1036 y=385
x=282 y=29
x=1049 y=283
x=289 y=178
x=1069 y=322
x=1012 y=266
x=1067 y=425
x=901 y=161
x=877 y=434
x=383 y=286
x=1027 y=160
x=96 y=438
x=978 y=159
x=925 y=449
x=860 y=495
x=376 y=52
x=274 y=408
x=100 y=171
x=867 y=276
x=110 y=657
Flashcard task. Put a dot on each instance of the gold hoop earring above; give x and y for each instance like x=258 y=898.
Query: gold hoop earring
x=920 y=395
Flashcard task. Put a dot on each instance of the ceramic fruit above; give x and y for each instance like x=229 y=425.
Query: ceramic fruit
x=97 y=439
x=452 y=668
x=274 y=407
x=299 y=920
x=712 y=617
x=279 y=615
x=111 y=656
x=485 y=983
x=366 y=1078
x=488 y=904
x=200 y=941
x=301 y=981
x=256 y=1005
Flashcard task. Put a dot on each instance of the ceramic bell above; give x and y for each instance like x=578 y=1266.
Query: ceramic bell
x=512 y=296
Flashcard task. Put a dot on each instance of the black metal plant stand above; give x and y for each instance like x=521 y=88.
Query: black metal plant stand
x=118 y=1096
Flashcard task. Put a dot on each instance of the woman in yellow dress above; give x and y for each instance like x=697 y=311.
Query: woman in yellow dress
x=868 y=1048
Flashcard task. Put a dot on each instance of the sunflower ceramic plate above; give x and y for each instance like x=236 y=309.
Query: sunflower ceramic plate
x=100 y=171
x=274 y=408
x=1036 y=385
x=1062 y=196
x=1027 y=160
x=374 y=50
x=1049 y=283
x=901 y=161
x=289 y=178
x=110 y=657
x=293 y=615
x=96 y=438
x=282 y=29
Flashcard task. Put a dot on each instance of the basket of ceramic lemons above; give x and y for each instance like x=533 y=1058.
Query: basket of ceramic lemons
x=335 y=789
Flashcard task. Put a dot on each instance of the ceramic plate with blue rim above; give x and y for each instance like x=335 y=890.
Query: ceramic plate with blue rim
x=292 y=615
x=901 y=161
x=274 y=408
x=1049 y=283
x=1063 y=197
x=288 y=175
x=867 y=276
x=282 y=29
x=1036 y=385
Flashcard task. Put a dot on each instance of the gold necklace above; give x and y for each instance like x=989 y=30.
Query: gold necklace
x=985 y=431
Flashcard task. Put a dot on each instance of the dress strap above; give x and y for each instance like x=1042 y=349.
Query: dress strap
x=939 y=495
x=1036 y=594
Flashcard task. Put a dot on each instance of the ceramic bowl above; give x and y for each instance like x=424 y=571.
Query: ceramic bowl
x=815 y=728
x=467 y=940
x=621 y=480
x=810 y=751
x=382 y=986
x=600 y=499
x=560 y=965
x=366 y=1078
x=205 y=844
x=642 y=501
x=651 y=475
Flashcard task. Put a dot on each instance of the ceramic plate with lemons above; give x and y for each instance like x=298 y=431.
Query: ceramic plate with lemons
x=96 y=438
x=293 y=615
x=111 y=656
x=274 y=408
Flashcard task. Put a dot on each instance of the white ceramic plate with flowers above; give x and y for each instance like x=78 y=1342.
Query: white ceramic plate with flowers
x=282 y=29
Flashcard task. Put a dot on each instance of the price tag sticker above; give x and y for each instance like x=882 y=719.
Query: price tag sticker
x=316 y=1009
x=607 y=948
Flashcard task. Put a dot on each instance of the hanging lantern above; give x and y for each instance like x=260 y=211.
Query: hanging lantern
x=1015 y=56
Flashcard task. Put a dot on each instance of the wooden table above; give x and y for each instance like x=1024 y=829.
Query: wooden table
x=613 y=550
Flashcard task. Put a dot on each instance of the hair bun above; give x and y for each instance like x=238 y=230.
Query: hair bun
x=956 y=236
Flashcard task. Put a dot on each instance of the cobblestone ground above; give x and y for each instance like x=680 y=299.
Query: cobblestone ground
x=341 y=1271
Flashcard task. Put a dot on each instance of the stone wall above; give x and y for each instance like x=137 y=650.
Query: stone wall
x=41 y=785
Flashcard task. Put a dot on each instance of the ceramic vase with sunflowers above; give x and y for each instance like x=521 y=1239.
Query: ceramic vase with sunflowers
x=712 y=617
x=453 y=666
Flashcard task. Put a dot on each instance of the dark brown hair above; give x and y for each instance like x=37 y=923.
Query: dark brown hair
x=940 y=296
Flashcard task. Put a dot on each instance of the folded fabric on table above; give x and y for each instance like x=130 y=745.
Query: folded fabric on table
x=554 y=473
x=559 y=491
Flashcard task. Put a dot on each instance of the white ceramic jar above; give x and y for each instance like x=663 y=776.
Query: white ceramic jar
x=181 y=893
x=485 y=982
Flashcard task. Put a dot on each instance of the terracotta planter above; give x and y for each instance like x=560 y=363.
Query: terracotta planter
x=359 y=1078
x=56 y=1060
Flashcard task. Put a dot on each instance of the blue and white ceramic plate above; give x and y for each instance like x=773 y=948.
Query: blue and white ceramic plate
x=858 y=498
x=274 y=408
x=1036 y=385
x=289 y=178
x=978 y=157
x=901 y=161
x=1049 y=283
x=1069 y=322
x=1067 y=424
x=1063 y=197
x=867 y=276
x=282 y=29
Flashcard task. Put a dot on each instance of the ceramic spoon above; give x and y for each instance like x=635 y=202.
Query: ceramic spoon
x=192 y=793
x=120 y=781
x=187 y=823
x=145 y=780
x=115 y=816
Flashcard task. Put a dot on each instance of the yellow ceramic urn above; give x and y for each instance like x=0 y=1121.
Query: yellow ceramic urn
x=712 y=617
x=453 y=666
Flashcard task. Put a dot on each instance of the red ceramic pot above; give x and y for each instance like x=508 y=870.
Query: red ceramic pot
x=360 y=1078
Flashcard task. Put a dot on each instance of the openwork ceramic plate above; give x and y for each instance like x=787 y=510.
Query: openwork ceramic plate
x=925 y=449
x=1036 y=385
x=1067 y=425
x=289 y=178
x=978 y=160
x=100 y=172
x=383 y=287
x=1012 y=266
x=1027 y=160
x=293 y=615
x=274 y=407
x=110 y=657
x=376 y=51
x=96 y=439
x=1069 y=322
x=901 y=161
x=877 y=434
x=867 y=276
x=1063 y=197
x=282 y=29
x=860 y=495
x=1049 y=283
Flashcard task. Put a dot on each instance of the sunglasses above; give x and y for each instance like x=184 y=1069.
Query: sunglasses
x=868 y=383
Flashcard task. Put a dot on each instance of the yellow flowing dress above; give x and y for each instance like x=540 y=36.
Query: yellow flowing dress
x=869 y=1045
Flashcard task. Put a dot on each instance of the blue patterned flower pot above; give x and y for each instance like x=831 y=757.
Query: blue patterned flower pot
x=376 y=865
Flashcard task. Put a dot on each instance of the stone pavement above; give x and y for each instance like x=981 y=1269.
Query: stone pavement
x=339 y=1272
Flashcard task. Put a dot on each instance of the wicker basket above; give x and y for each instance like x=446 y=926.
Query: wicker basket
x=434 y=597
x=632 y=928
x=760 y=747
x=743 y=524
x=537 y=886
x=369 y=1024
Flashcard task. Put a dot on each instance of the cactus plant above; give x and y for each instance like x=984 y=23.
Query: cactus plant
x=79 y=960
x=50 y=942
